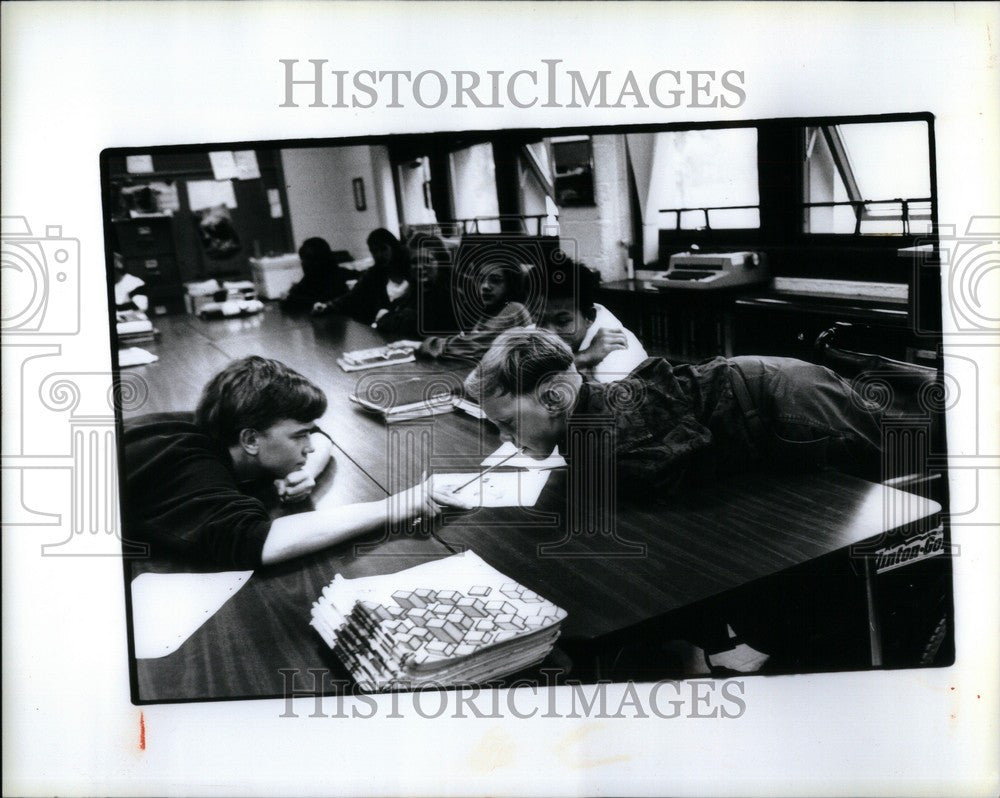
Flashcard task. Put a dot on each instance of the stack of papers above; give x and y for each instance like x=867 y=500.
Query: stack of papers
x=445 y=623
x=134 y=326
x=401 y=352
x=231 y=308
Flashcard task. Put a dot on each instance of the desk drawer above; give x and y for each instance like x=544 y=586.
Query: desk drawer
x=141 y=236
x=154 y=270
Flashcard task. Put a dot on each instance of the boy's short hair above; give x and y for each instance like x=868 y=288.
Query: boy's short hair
x=517 y=362
x=573 y=281
x=256 y=393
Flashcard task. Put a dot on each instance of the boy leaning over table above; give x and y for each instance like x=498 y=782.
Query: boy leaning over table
x=192 y=485
x=678 y=427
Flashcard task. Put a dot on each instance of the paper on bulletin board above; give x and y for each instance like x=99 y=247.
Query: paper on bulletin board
x=167 y=198
x=210 y=194
x=274 y=198
x=223 y=165
x=246 y=165
x=138 y=164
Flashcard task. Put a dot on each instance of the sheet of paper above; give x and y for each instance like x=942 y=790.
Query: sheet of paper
x=135 y=356
x=246 y=165
x=210 y=193
x=274 y=199
x=167 y=199
x=554 y=460
x=168 y=608
x=223 y=165
x=498 y=488
x=138 y=164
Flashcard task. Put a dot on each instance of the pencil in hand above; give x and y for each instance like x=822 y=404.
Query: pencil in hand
x=485 y=471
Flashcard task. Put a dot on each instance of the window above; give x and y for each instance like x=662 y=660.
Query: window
x=706 y=179
x=474 y=187
x=573 y=157
x=870 y=178
x=414 y=180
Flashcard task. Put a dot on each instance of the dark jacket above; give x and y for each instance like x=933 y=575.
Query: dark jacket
x=363 y=302
x=321 y=282
x=676 y=427
x=428 y=310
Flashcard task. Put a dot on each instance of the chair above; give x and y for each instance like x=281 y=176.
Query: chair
x=910 y=399
x=915 y=599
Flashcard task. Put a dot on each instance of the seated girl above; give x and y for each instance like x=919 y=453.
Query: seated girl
x=323 y=280
x=603 y=349
x=490 y=304
x=380 y=290
x=429 y=308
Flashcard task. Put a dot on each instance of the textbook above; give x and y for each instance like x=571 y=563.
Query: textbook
x=376 y=357
x=404 y=398
x=134 y=327
x=444 y=623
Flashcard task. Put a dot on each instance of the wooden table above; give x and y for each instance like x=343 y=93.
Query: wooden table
x=613 y=572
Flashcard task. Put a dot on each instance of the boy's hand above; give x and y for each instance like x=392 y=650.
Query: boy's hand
x=424 y=500
x=295 y=487
x=605 y=342
x=319 y=308
x=449 y=498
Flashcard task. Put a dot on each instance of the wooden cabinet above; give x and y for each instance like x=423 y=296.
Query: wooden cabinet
x=687 y=326
x=682 y=326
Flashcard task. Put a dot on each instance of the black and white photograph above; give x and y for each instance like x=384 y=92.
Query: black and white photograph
x=686 y=431
x=500 y=398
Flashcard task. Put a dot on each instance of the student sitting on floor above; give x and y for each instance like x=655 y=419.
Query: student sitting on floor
x=323 y=280
x=603 y=350
x=493 y=306
x=676 y=426
x=194 y=488
x=382 y=289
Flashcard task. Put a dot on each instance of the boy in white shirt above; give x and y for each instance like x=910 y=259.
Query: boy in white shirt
x=603 y=349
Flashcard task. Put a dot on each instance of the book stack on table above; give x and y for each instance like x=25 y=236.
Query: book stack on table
x=134 y=327
x=378 y=356
x=402 y=398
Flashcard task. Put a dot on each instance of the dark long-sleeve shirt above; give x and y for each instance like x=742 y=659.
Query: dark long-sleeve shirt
x=472 y=345
x=368 y=296
x=183 y=498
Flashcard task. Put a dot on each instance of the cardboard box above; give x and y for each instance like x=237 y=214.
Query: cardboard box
x=274 y=276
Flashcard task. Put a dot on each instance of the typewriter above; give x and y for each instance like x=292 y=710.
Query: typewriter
x=707 y=271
